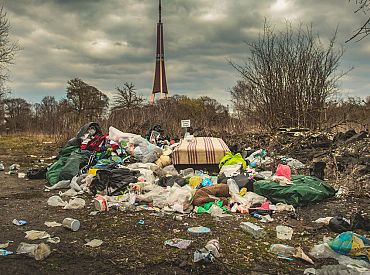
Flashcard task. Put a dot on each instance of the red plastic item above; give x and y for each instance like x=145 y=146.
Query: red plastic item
x=284 y=171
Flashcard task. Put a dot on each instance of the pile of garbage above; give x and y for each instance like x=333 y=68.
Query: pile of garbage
x=125 y=171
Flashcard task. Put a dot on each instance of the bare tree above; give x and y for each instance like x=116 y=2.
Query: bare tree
x=8 y=48
x=126 y=97
x=363 y=6
x=287 y=78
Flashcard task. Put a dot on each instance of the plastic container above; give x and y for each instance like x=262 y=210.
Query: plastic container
x=253 y=229
x=199 y=230
x=71 y=224
x=101 y=203
x=282 y=250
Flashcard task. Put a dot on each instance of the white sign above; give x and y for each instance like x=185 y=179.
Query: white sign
x=185 y=123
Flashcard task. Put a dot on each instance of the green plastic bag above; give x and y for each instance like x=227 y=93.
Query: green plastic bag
x=304 y=190
x=205 y=207
x=230 y=159
x=52 y=175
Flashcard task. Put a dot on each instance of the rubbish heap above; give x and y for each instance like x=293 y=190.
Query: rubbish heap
x=126 y=172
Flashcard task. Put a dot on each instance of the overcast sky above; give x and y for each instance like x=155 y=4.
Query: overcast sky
x=108 y=42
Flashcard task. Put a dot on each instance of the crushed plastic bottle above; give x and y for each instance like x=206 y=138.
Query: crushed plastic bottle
x=4 y=252
x=253 y=229
x=282 y=250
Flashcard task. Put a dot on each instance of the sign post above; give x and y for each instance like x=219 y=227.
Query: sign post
x=185 y=124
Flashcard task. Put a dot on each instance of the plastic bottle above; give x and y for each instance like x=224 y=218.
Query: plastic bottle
x=282 y=250
x=253 y=229
x=257 y=216
x=4 y=252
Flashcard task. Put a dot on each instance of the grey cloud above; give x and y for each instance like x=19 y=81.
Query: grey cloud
x=107 y=42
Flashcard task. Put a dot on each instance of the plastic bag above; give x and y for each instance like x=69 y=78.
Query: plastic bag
x=170 y=170
x=233 y=186
x=284 y=171
x=69 y=193
x=56 y=201
x=76 y=203
x=38 y=251
x=339 y=225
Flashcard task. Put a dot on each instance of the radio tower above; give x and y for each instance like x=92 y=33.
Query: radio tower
x=160 y=82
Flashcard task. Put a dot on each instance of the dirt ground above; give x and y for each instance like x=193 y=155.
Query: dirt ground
x=131 y=248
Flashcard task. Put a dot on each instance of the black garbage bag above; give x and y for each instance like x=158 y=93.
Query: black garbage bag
x=37 y=173
x=242 y=180
x=170 y=181
x=358 y=221
x=339 y=225
x=114 y=181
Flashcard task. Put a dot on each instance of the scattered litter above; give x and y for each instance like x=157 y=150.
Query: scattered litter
x=69 y=193
x=253 y=229
x=284 y=207
x=323 y=220
x=63 y=184
x=179 y=243
x=339 y=224
x=199 y=230
x=2 y=167
x=52 y=224
x=54 y=240
x=19 y=222
x=287 y=252
x=141 y=222
x=71 y=224
x=21 y=175
x=76 y=203
x=56 y=201
x=36 y=235
x=93 y=213
x=284 y=232
x=4 y=252
x=38 y=251
x=14 y=167
x=4 y=245
x=282 y=250
x=301 y=255
x=208 y=253
x=94 y=243
x=100 y=203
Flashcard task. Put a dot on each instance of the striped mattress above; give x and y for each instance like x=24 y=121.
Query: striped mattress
x=200 y=150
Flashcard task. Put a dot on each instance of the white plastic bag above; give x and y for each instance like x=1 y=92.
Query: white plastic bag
x=76 y=203
x=56 y=201
x=233 y=186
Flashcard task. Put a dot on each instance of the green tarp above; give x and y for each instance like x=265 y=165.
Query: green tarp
x=305 y=190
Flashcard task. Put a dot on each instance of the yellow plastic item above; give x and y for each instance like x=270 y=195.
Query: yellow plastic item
x=195 y=181
x=92 y=171
x=243 y=191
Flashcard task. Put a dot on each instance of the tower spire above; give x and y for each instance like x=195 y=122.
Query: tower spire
x=160 y=11
x=160 y=82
